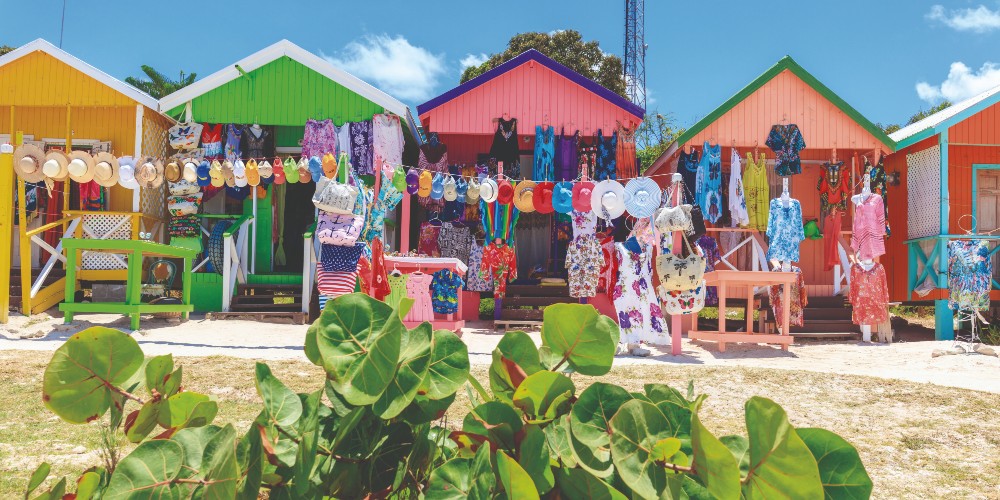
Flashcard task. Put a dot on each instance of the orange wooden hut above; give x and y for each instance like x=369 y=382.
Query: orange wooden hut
x=785 y=94
x=949 y=165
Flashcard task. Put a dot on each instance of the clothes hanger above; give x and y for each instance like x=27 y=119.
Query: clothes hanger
x=786 y=199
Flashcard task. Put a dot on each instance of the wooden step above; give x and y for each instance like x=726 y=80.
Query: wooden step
x=823 y=326
x=825 y=335
x=521 y=314
x=510 y=301
x=502 y=325
x=537 y=291
x=298 y=317
x=820 y=314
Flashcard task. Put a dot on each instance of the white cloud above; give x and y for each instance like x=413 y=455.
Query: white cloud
x=978 y=20
x=473 y=60
x=962 y=83
x=402 y=70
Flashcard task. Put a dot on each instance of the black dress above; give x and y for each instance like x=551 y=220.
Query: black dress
x=505 y=147
x=687 y=166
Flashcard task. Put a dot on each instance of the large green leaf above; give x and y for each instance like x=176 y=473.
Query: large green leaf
x=423 y=409
x=451 y=481
x=578 y=334
x=87 y=485
x=596 y=460
x=141 y=422
x=161 y=376
x=636 y=429
x=449 y=366
x=250 y=458
x=306 y=455
x=533 y=456
x=220 y=469
x=187 y=409
x=37 y=477
x=557 y=437
x=578 y=484
x=281 y=405
x=514 y=358
x=495 y=421
x=148 y=472
x=593 y=410
x=544 y=395
x=781 y=465
x=358 y=339
x=739 y=446
x=840 y=467
x=713 y=463
x=516 y=482
x=483 y=479
x=414 y=358
x=78 y=380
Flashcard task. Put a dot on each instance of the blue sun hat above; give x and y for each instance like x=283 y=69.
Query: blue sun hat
x=462 y=187
x=316 y=168
x=437 y=187
x=562 y=197
x=642 y=197
x=203 y=178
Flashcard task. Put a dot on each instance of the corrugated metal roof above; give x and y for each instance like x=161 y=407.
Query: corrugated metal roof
x=947 y=117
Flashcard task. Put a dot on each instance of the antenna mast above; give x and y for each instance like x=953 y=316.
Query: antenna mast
x=635 y=51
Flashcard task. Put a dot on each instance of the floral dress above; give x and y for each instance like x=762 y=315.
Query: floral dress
x=362 y=147
x=784 y=230
x=444 y=299
x=970 y=274
x=869 y=295
x=639 y=315
x=320 y=138
x=797 y=304
x=545 y=152
x=500 y=265
x=387 y=200
x=786 y=141
x=710 y=249
x=475 y=280
x=583 y=257
x=737 y=201
x=428 y=242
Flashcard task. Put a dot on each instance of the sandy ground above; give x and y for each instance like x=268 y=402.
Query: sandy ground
x=910 y=361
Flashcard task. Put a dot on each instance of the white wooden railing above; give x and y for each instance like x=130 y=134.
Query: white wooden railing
x=310 y=256
x=235 y=259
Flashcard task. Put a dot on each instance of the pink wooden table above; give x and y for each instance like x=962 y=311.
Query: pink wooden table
x=430 y=265
x=722 y=279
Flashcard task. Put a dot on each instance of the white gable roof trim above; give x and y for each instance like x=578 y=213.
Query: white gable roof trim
x=946 y=117
x=81 y=66
x=269 y=54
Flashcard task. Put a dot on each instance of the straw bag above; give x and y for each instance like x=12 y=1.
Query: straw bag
x=185 y=135
x=680 y=273
x=341 y=230
x=682 y=302
x=334 y=197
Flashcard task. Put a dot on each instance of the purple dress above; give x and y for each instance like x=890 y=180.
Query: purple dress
x=319 y=138
x=566 y=161
x=362 y=148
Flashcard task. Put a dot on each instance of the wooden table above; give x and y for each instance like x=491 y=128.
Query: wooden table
x=429 y=265
x=722 y=279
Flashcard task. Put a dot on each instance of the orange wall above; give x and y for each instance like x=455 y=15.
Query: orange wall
x=786 y=97
x=981 y=128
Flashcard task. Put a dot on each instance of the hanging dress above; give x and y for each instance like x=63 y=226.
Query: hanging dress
x=343 y=134
x=786 y=141
x=211 y=141
x=605 y=168
x=418 y=288
x=319 y=138
x=868 y=231
x=625 y=157
x=757 y=191
x=566 y=164
x=834 y=189
x=709 y=183
x=687 y=166
x=639 y=315
x=710 y=249
x=432 y=159
x=233 y=134
x=388 y=141
x=397 y=287
x=361 y=148
x=796 y=304
x=869 y=295
x=737 y=200
x=879 y=186
x=784 y=230
x=544 y=153
x=970 y=274
x=583 y=257
x=505 y=149
x=475 y=279
x=257 y=143
x=586 y=157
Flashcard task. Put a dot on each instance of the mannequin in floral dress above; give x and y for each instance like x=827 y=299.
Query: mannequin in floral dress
x=639 y=315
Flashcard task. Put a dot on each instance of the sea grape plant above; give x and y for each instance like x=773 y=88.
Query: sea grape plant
x=376 y=426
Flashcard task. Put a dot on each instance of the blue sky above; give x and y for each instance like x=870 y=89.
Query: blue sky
x=887 y=58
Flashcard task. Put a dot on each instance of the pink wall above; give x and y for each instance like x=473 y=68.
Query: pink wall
x=533 y=94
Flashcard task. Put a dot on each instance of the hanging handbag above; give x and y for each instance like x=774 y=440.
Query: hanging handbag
x=185 y=135
x=683 y=302
x=680 y=273
x=334 y=197
x=341 y=230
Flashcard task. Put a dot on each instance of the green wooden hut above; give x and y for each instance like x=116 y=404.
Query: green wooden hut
x=281 y=86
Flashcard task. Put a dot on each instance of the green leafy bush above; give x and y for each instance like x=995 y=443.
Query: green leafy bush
x=372 y=429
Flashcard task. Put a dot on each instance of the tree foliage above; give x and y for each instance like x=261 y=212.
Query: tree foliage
x=5 y=49
x=655 y=134
x=916 y=117
x=566 y=47
x=159 y=85
x=536 y=436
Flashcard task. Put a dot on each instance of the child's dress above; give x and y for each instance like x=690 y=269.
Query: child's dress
x=418 y=288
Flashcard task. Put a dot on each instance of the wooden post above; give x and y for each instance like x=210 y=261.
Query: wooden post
x=6 y=223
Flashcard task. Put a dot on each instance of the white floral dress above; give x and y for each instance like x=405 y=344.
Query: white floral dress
x=584 y=258
x=639 y=315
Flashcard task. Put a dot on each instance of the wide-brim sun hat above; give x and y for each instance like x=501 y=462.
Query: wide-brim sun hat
x=488 y=190
x=126 y=173
x=190 y=171
x=149 y=173
x=562 y=197
x=106 y=170
x=543 y=197
x=582 y=193
x=28 y=160
x=472 y=193
x=642 y=197
x=81 y=167
x=608 y=199
x=523 y=196
x=56 y=166
x=505 y=192
x=172 y=172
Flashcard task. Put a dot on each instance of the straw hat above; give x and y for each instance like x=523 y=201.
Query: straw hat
x=28 y=160
x=172 y=172
x=582 y=194
x=642 y=197
x=190 y=171
x=149 y=173
x=253 y=172
x=505 y=192
x=488 y=190
x=562 y=197
x=106 y=169
x=543 y=197
x=56 y=165
x=472 y=192
x=450 y=189
x=81 y=167
x=608 y=199
x=523 y=196
x=126 y=173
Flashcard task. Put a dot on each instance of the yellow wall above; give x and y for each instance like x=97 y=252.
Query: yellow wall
x=39 y=79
